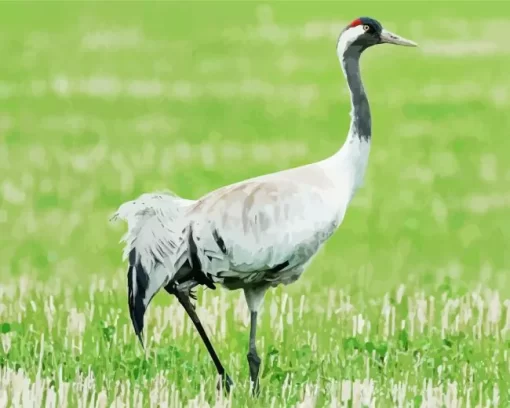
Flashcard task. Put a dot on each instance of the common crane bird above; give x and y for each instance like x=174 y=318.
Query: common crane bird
x=257 y=233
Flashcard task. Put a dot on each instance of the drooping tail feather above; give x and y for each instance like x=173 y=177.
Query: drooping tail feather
x=137 y=308
x=155 y=248
x=142 y=287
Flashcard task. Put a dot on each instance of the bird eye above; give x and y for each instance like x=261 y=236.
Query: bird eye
x=366 y=27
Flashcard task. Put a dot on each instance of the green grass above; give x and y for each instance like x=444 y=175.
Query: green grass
x=407 y=304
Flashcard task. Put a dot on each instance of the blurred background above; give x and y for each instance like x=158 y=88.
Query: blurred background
x=101 y=102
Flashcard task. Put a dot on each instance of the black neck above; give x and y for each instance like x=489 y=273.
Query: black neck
x=361 y=122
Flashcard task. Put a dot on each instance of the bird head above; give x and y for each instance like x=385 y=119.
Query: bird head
x=365 y=32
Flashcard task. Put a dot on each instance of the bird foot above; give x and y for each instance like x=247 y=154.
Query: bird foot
x=225 y=383
x=193 y=294
x=185 y=289
x=255 y=389
x=254 y=363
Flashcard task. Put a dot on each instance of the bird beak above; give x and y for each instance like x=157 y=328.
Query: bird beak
x=388 y=37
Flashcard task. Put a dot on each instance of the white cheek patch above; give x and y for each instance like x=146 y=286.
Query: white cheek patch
x=348 y=37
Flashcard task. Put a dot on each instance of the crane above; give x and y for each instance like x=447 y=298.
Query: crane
x=257 y=233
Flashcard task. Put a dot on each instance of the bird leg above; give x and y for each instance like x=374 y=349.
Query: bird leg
x=253 y=358
x=254 y=297
x=182 y=292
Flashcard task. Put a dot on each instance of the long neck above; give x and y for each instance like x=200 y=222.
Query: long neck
x=361 y=122
x=352 y=157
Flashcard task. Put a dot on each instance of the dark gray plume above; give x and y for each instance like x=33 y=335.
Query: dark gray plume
x=138 y=282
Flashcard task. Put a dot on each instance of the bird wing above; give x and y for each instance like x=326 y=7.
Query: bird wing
x=250 y=227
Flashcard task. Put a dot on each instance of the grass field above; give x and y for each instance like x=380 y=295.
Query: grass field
x=407 y=305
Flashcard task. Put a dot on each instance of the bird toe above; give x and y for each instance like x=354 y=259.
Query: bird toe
x=225 y=383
